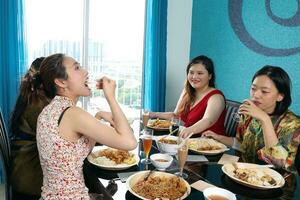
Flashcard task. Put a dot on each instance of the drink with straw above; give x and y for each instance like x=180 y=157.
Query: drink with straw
x=182 y=154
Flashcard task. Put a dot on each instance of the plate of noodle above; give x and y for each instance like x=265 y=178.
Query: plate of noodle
x=206 y=146
x=159 y=124
x=112 y=159
x=253 y=175
x=159 y=185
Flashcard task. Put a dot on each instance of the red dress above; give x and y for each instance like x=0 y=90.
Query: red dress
x=197 y=113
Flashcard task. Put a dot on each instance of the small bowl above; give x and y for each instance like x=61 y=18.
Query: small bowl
x=161 y=161
x=170 y=149
x=212 y=193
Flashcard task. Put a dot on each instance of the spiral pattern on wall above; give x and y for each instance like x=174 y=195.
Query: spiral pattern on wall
x=237 y=24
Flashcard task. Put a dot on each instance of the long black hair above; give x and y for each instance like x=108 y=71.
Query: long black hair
x=283 y=84
x=31 y=91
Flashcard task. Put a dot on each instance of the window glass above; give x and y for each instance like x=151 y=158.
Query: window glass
x=114 y=43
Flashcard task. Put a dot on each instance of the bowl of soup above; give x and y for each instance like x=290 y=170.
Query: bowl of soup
x=167 y=144
x=161 y=161
x=216 y=193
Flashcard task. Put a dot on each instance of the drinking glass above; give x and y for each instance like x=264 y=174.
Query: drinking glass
x=147 y=144
x=145 y=115
x=176 y=123
x=182 y=154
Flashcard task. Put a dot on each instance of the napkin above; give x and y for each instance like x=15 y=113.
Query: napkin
x=201 y=185
x=123 y=176
x=226 y=158
x=195 y=158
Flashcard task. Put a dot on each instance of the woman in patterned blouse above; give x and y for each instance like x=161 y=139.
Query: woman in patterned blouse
x=66 y=133
x=267 y=131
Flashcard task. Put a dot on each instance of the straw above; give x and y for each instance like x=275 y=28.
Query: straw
x=184 y=141
x=170 y=133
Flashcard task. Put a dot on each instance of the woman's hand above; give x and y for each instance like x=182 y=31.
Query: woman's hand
x=109 y=87
x=185 y=132
x=107 y=116
x=249 y=108
x=209 y=134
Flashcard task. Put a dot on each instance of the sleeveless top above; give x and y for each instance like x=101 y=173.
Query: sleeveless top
x=197 y=112
x=61 y=160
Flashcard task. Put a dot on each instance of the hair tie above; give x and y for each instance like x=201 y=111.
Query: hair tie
x=35 y=81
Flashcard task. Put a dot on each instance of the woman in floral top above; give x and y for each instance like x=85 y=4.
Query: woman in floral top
x=66 y=133
x=268 y=131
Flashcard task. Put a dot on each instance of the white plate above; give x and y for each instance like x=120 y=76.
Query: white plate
x=208 y=152
x=229 y=168
x=151 y=121
x=111 y=167
x=133 y=179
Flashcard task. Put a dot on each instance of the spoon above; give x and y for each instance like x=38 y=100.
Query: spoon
x=148 y=175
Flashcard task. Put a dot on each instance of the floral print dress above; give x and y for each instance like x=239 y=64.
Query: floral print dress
x=281 y=155
x=61 y=160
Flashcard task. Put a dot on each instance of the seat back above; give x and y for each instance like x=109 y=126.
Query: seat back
x=297 y=160
x=229 y=123
x=4 y=140
x=4 y=177
x=4 y=156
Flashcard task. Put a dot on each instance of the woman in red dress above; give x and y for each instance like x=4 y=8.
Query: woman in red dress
x=201 y=106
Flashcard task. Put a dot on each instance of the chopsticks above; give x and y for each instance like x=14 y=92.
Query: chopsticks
x=236 y=166
x=170 y=133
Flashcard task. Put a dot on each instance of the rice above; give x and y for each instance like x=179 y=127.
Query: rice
x=102 y=160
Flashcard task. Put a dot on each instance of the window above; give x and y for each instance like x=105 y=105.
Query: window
x=106 y=37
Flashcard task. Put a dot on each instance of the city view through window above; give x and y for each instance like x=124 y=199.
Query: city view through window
x=111 y=44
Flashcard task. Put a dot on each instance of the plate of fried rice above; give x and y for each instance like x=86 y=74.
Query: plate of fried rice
x=112 y=159
x=159 y=185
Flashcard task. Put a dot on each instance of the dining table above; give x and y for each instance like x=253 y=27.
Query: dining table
x=208 y=171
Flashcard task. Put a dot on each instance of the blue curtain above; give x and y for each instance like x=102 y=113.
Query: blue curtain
x=154 y=73
x=12 y=53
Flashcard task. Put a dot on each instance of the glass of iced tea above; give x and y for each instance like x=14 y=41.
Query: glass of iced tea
x=147 y=144
x=182 y=154
x=145 y=115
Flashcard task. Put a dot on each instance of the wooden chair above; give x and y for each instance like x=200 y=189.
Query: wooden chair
x=4 y=156
x=230 y=124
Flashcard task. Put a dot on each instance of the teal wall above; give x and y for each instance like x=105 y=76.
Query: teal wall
x=242 y=36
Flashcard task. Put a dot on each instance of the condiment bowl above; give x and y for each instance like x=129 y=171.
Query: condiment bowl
x=161 y=161
x=216 y=193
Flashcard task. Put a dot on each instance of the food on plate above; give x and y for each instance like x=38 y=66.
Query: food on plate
x=205 y=144
x=160 y=187
x=254 y=176
x=167 y=141
x=159 y=124
x=111 y=157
